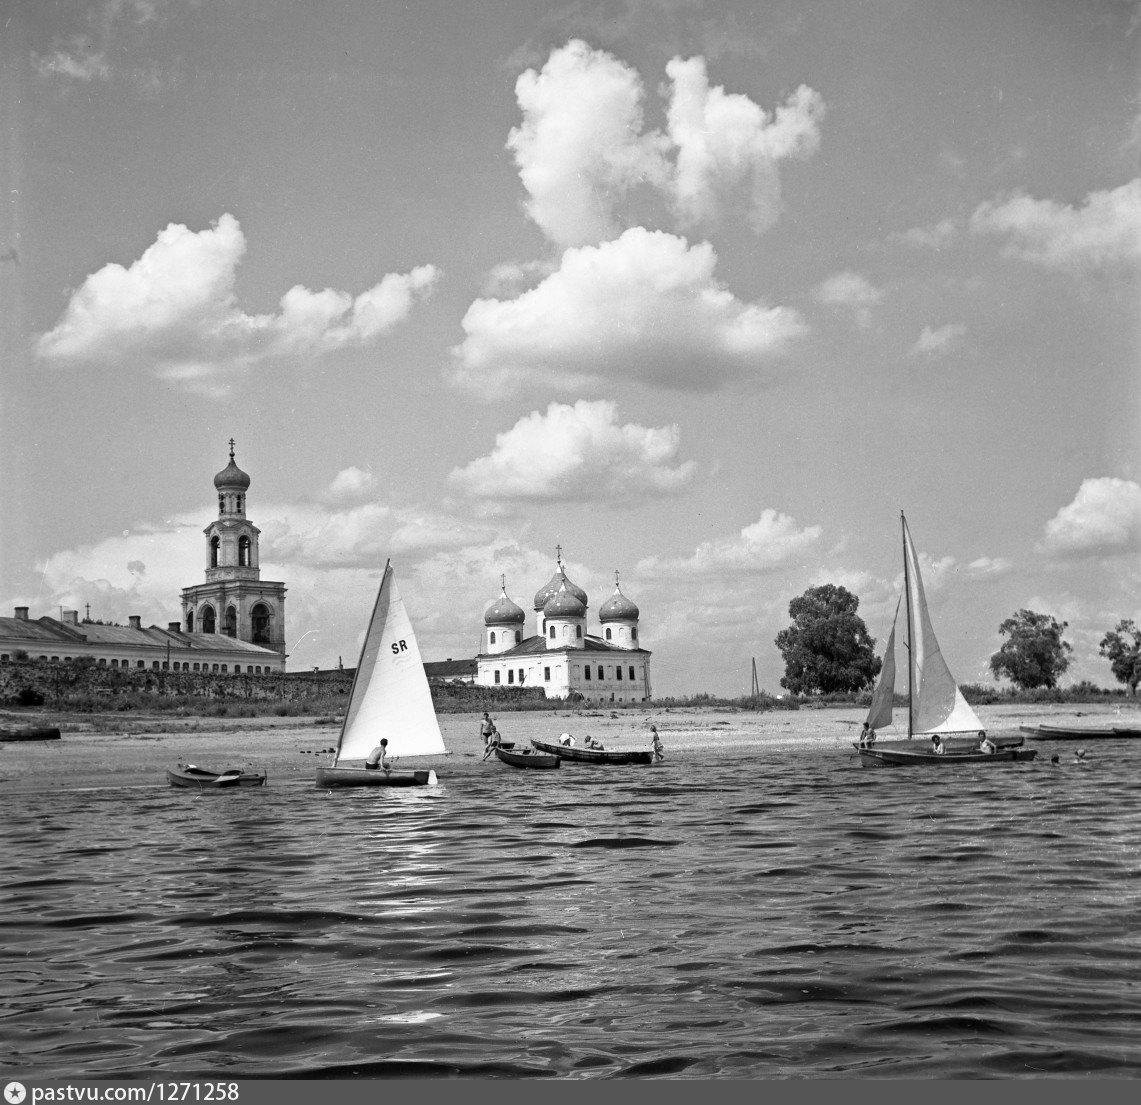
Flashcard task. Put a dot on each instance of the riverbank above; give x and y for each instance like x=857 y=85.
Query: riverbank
x=105 y=751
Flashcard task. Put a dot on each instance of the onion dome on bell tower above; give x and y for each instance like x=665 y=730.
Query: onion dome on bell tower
x=619 y=618
x=503 y=623
x=232 y=484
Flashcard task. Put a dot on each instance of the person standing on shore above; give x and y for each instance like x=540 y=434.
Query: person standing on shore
x=656 y=741
x=486 y=728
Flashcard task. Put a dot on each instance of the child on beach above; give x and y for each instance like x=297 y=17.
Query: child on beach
x=656 y=741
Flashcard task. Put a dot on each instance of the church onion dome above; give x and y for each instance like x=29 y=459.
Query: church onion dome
x=617 y=608
x=565 y=604
x=558 y=581
x=504 y=612
x=231 y=478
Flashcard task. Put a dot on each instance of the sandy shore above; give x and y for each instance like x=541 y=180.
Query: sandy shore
x=104 y=750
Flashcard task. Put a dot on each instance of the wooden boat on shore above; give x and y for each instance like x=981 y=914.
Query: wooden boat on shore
x=526 y=757
x=1047 y=732
x=31 y=733
x=193 y=777
x=389 y=698
x=573 y=753
x=936 y=707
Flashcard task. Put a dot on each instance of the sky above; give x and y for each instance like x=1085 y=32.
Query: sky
x=702 y=293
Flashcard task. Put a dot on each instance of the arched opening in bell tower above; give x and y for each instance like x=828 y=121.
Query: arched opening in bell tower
x=231 y=622
x=207 y=619
x=243 y=551
x=215 y=548
x=190 y=621
x=261 y=619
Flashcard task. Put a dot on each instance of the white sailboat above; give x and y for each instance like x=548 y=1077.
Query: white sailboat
x=390 y=698
x=936 y=706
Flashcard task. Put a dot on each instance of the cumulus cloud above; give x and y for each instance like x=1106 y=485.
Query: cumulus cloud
x=936 y=343
x=988 y=567
x=936 y=236
x=853 y=291
x=724 y=140
x=1105 y=231
x=174 y=309
x=77 y=60
x=350 y=483
x=578 y=454
x=1104 y=519
x=581 y=149
x=773 y=541
x=645 y=306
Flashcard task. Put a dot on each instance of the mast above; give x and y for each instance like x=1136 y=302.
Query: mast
x=910 y=633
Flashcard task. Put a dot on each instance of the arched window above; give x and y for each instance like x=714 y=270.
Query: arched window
x=552 y=631
x=215 y=548
x=260 y=621
x=608 y=633
x=518 y=636
x=190 y=621
x=231 y=622
x=238 y=503
x=578 y=631
x=221 y=504
x=243 y=551
x=491 y=636
x=207 y=619
x=633 y=633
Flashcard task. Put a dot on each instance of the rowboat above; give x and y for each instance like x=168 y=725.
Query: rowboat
x=1080 y=732
x=33 y=733
x=578 y=754
x=526 y=757
x=200 y=778
x=935 y=705
x=390 y=698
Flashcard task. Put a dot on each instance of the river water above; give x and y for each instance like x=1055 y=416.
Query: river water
x=762 y=914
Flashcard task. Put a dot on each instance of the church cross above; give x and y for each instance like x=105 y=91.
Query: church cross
x=231 y=450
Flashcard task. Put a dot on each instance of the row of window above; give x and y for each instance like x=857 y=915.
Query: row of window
x=177 y=665
x=518 y=637
x=617 y=676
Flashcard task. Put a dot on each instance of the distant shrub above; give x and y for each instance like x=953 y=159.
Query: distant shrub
x=29 y=696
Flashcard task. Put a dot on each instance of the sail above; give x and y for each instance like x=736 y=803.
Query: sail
x=937 y=704
x=390 y=696
x=879 y=713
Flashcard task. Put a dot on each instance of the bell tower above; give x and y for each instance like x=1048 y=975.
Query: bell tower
x=235 y=600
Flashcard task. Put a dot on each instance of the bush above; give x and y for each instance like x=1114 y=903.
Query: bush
x=28 y=696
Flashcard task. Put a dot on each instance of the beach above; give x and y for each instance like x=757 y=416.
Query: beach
x=108 y=750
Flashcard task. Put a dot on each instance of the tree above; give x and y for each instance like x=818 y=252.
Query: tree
x=827 y=648
x=1124 y=655
x=1035 y=654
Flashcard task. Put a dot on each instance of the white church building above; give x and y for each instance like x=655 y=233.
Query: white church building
x=561 y=656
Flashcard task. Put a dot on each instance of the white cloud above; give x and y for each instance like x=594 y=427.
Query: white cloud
x=936 y=236
x=724 y=139
x=1104 y=519
x=351 y=483
x=174 y=310
x=77 y=60
x=645 y=306
x=853 y=291
x=1105 y=231
x=775 y=540
x=578 y=454
x=580 y=144
x=987 y=567
x=936 y=343
x=581 y=149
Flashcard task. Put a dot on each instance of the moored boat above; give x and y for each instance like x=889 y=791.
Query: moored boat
x=192 y=777
x=526 y=757
x=1080 y=732
x=578 y=754
x=390 y=698
x=936 y=707
x=31 y=733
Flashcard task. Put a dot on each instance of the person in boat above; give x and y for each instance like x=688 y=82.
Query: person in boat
x=494 y=740
x=566 y=739
x=656 y=742
x=937 y=745
x=985 y=743
x=590 y=742
x=486 y=727
x=379 y=758
x=867 y=736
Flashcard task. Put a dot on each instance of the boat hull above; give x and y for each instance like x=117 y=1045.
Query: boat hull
x=905 y=757
x=542 y=761
x=1080 y=733
x=575 y=754
x=34 y=733
x=197 y=778
x=363 y=777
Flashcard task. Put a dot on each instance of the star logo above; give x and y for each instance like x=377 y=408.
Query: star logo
x=14 y=1093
